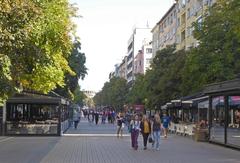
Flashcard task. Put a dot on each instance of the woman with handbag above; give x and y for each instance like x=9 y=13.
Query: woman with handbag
x=145 y=127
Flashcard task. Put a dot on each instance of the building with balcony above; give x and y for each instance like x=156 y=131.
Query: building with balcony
x=123 y=68
x=143 y=59
x=148 y=55
x=135 y=44
x=189 y=11
x=164 y=32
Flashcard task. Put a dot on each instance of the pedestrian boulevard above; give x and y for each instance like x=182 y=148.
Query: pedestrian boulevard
x=96 y=147
x=86 y=128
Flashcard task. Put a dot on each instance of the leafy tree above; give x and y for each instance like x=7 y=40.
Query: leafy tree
x=79 y=97
x=217 y=56
x=35 y=38
x=113 y=93
x=164 y=79
x=76 y=62
x=137 y=94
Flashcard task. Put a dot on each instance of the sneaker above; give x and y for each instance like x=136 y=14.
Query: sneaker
x=158 y=149
x=144 y=148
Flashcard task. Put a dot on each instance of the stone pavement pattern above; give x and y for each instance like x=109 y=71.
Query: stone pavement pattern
x=109 y=149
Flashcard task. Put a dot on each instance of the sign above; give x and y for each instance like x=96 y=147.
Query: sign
x=138 y=108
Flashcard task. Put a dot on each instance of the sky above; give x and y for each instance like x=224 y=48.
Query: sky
x=104 y=29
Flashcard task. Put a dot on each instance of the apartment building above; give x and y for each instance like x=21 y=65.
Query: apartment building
x=189 y=11
x=123 y=68
x=148 y=55
x=139 y=63
x=164 y=32
x=134 y=45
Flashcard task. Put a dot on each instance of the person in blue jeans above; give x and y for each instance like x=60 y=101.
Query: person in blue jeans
x=156 y=130
x=166 y=122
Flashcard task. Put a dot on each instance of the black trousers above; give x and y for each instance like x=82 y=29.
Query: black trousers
x=145 y=138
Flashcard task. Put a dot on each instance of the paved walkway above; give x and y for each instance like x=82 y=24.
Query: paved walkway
x=101 y=149
x=85 y=127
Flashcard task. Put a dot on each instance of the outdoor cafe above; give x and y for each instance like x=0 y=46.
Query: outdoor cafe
x=188 y=116
x=30 y=113
x=224 y=113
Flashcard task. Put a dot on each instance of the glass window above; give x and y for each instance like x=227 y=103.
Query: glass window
x=218 y=119
x=32 y=119
x=233 y=128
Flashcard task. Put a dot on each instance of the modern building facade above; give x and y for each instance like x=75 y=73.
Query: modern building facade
x=148 y=54
x=164 y=32
x=134 y=45
x=143 y=59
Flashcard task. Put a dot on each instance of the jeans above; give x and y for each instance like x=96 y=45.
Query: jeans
x=134 y=137
x=145 y=138
x=156 y=138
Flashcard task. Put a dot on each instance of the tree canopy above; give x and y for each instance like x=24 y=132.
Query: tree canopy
x=113 y=94
x=35 y=44
x=217 y=56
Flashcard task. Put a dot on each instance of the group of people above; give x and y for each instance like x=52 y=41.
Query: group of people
x=149 y=127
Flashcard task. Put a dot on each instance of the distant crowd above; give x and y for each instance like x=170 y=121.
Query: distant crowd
x=150 y=127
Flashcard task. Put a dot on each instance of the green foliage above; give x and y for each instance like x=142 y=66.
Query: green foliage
x=164 y=79
x=217 y=56
x=35 y=37
x=137 y=94
x=79 y=97
x=112 y=94
x=6 y=87
x=76 y=62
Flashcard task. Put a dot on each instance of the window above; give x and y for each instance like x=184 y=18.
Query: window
x=199 y=22
x=188 y=31
x=149 y=50
x=183 y=19
x=188 y=13
x=182 y=36
x=178 y=22
x=183 y=3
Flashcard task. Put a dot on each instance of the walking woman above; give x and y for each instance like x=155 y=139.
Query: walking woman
x=156 y=129
x=120 y=125
x=135 y=128
x=145 y=127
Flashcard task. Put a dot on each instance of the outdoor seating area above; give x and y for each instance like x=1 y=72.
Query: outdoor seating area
x=212 y=115
x=36 y=114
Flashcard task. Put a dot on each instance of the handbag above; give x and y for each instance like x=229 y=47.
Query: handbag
x=150 y=139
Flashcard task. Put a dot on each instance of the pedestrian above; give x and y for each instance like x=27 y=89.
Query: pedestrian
x=120 y=125
x=145 y=127
x=156 y=130
x=75 y=119
x=135 y=128
x=96 y=118
x=166 y=123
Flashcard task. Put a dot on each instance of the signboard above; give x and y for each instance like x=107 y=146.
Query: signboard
x=138 y=108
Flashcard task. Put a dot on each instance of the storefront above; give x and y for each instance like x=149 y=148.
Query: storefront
x=224 y=112
x=36 y=114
